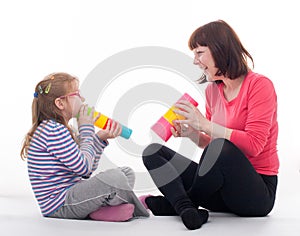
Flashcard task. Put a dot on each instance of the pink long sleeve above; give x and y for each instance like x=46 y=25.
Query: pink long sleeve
x=253 y=117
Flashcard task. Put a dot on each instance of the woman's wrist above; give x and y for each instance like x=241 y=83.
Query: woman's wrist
x=205 y=127
x=200 y=139
x=217 y=131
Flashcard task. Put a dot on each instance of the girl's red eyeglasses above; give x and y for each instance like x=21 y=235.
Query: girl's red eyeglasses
x=76 y=93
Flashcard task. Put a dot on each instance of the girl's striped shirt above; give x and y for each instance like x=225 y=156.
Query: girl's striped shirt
x=56 y=162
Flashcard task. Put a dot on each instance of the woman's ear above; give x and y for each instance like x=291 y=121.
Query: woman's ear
x=59 y=103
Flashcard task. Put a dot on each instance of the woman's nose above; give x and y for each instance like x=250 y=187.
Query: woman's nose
x=196 y=61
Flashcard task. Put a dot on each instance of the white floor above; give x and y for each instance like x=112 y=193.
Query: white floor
x=20 y=216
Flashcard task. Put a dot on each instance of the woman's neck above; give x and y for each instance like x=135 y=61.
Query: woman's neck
x=232 y=84
x=232 y=88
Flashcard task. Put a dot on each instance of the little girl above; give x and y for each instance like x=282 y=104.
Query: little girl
x=60 y=165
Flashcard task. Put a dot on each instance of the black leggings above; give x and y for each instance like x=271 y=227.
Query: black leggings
x=223 y=181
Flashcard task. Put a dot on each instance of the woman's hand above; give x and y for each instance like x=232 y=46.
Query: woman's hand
x=85 y=115
x=112 y=130
x=196 y=136
x=181 y=130
x=193 y=118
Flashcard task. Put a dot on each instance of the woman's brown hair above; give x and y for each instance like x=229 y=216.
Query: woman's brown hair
x=43 y=104
x=229 y=54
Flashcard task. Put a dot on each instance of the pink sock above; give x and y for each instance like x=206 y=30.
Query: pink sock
x=118 y=213
x=143 y=198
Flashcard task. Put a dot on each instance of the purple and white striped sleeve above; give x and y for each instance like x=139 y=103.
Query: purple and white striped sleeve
x=64 y=148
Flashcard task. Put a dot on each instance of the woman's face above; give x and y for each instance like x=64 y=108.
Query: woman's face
x=205 y=61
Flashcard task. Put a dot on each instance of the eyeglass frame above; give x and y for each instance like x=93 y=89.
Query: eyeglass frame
x=76 y=93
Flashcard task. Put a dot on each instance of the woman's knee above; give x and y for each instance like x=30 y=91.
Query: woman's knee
x=224 y=145
x=151 y=149
x=221 y=143
x=221 y=148
x=216 y=152
x=149 y=152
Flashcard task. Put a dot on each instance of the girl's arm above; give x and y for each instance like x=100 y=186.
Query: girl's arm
x=79 y=159
x=99 y=148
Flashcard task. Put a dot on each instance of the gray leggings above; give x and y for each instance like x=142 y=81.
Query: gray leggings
x=109 y=188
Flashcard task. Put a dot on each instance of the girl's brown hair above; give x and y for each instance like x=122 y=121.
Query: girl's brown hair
x=229 y=54
x=43 y=105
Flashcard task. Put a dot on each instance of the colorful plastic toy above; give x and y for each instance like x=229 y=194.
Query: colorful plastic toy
x=101 y=122
x=163 y=126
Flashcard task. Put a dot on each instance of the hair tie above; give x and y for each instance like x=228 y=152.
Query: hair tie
x=36 y=94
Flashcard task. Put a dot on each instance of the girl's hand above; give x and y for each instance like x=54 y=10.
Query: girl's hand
x=112 y=130
x=85 y=115
x=193 y=117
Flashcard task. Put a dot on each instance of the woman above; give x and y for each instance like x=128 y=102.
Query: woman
x=238 y=168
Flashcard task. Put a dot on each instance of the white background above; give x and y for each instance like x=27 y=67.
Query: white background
x=40 y=37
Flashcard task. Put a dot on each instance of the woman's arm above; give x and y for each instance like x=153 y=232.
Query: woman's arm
x=200 y=139
x=196 y=120
x=261 y=108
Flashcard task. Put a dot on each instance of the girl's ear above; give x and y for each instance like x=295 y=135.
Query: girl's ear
x=59 y=103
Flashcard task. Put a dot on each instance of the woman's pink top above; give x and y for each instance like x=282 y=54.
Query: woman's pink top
x=253 y=117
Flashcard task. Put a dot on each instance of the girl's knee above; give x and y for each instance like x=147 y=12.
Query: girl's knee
x=128 y=171
x=130 y=175
x=115 y=178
